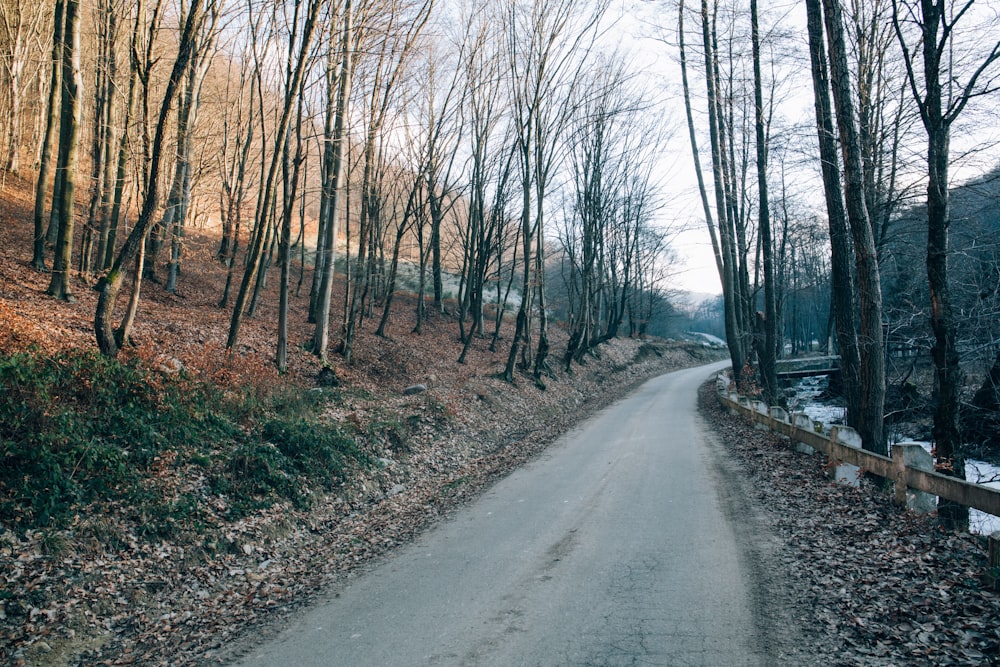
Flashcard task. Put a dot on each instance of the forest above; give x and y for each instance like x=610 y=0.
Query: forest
x=504 y=163
x=284 y=282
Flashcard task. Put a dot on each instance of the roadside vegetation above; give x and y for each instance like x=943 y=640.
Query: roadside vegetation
x=83 y=432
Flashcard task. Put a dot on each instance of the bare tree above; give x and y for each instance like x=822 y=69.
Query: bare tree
x=102 y=143
x=844 y=305
x=870 y=339
x=239 y=121
x=338 y=97
x=607 y=237
x=179 y=202
x=725 y=242
x=51 y=118
x=66 y=166
x=301 y=27
x=396 y=38
x=109 y=286
x=141 y=62
x=20 y=22
x=547 y=41
x=941 y=99
x=771 y=324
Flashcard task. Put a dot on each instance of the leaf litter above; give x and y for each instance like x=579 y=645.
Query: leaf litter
x=866 y=583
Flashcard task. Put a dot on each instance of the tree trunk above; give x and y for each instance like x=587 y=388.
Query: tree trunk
x=321 y=336
x=872 y=376
x=842 y=278
x=435 y=242
x=948 y=375
x=69 y=130
x=291 y=182
x=730 y=282
x=51 y=116
x=527 y=239
x=767 y=362
x=114 y=221
x=102 y=140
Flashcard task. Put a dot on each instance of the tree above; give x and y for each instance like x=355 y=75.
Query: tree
x=109 y=286
x=102 y=148
x=20 y=22
x=771 y=324
x=51 y=118
x=338 y=96
x=304 y=19
x=239 y=120
x=727 y=246
x=291 y=164
x=141 y=63
x=547 y=42
x=607 y=241
x=396 y=40
x=842 y=277
x=66 y=166
x=870 y=341
x=941 y=99
x=179 y=202
x=442 y=128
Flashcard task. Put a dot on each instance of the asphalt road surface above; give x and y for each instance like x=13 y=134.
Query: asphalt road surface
x=623 y=544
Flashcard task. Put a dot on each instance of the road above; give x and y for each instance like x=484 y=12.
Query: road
x=623 y=544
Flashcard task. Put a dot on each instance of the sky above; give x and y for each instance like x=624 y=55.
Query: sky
x=646 y=29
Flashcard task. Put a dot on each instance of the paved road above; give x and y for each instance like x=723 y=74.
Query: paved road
x=616 y=547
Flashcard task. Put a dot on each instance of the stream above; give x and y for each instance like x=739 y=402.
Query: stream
x=809 y=395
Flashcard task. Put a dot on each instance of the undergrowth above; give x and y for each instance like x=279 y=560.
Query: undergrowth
x=80 y=432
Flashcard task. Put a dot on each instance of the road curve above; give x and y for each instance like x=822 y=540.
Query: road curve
x=617 y=546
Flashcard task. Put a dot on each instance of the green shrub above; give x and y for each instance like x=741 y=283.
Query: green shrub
x=77 y=428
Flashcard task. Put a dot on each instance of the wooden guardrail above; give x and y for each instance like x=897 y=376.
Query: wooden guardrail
x=836 y=447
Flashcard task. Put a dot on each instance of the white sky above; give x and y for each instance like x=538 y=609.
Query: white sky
x=973 y=152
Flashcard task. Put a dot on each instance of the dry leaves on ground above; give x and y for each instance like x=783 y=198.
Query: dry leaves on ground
x=865 y=582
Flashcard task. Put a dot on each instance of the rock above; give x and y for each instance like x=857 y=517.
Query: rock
x=414 y=389
x=169 y=365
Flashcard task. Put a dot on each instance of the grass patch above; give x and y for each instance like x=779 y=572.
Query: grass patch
x=80 y=431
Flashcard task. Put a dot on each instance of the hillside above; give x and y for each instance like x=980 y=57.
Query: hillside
x=210 y=494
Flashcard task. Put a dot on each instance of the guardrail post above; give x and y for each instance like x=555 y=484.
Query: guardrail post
x=846 y=473
x=993 y=573
x=804 y=422
x=910 y=454
x=779 y=414
x=760 y=409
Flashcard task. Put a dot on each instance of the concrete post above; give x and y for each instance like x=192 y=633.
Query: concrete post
x=760 y=409
x=912 y=455
x=846 y=473
x=804 y=422
x=779 y=414
x=993 y=573
x=735 y=398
